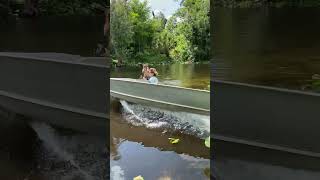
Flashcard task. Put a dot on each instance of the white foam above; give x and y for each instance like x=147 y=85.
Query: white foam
x=117 y=173
x=150 y=117
x=51 y=141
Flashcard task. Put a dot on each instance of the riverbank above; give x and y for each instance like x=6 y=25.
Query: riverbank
x=135 y=63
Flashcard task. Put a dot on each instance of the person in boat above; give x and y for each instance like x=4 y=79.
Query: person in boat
x=100 y=51
x=145 y=71
x=152 y=76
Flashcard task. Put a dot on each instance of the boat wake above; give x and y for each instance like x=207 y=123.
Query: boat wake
x=187 y=123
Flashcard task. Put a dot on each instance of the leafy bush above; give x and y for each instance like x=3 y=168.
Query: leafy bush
x=71 y=7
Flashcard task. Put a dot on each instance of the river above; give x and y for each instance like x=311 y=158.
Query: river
x=46 y=152
x=139 y=134
x=35 y=151
x=276 y=47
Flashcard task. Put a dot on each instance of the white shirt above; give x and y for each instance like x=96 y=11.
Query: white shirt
x=153 y=80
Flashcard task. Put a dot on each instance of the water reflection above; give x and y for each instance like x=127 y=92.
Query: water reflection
x=266 y=46
x=152 y=163
x=137 y=150
x=73 y=34
x=274 y=47
x=235 y=161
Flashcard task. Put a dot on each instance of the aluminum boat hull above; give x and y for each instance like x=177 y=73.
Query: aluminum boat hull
x=64 y=90
x=162 y=96
x=266 y=117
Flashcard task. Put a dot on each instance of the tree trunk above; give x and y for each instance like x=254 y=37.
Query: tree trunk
x=30 y=8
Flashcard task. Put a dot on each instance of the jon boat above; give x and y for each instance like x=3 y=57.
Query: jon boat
x=265 y=117
x=162 y=96
x=64 y=90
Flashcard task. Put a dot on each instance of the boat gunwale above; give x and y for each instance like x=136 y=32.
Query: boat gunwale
x=164 y=85
x=54 y=105
x=283 y=90
x=207 y=111
x=265 y=145
x=46 y=59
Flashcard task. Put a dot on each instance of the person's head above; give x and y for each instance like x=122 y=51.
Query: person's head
x=145 y=66
x=153 y=72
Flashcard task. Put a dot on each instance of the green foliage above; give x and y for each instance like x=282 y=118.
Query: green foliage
x=71 y=7
x=270 y=3
x=121 y=30
x=151 y=37
x=182 y=50
x=207 y=142
x=163 y=42
x=150 y=58
x=315 y=83
x=142 y=26
x=194 y=25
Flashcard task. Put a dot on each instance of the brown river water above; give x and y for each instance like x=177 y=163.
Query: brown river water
x=36 y=151
x=278 y=47
x=139 y=134
x=273 y=47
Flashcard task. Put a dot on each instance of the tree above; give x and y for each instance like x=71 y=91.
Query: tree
x=121 y=30
x=194 y=24
x=139 y=15
x=139 y=34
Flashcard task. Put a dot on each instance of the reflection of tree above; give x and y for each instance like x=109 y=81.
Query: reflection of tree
x=30 y=8
x=115 y=143
x=206 y=172
x=103 y=49
x=182 y=72
x=4 y=11
x=165 y=178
